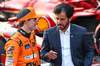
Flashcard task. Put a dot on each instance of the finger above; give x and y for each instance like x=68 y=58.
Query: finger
x=50 y=55
x=53 y=52
x=54 y=57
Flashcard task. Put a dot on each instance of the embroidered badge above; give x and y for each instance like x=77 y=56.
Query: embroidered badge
x=10 y=52
x=10 y=60
x=11 y=48
x=29 y=57
x=27 y=46
x=9 y=63
x=10 y=56
x=33 y=44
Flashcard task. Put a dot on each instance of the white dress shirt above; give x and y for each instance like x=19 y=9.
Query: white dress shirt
x=65 y=45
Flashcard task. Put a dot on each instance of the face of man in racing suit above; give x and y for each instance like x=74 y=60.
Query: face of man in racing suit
x=30 y=25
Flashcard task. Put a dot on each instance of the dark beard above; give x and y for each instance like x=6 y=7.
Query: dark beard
x=66 y=25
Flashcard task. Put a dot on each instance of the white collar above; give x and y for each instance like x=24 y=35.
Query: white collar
x=67 y=31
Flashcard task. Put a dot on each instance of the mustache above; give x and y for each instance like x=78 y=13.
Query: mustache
x=60 y=25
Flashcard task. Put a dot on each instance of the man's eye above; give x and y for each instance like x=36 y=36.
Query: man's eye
x=57 y=18
x=35 y=19
x=62 y=19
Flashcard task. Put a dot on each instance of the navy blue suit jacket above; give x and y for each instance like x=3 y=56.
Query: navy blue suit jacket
x=80 y=44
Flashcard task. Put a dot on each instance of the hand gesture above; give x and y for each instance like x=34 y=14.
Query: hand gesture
x=52 y=55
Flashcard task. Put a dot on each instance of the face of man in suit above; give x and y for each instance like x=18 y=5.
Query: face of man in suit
x=62 y=21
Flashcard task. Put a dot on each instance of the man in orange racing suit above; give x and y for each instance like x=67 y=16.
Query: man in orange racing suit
x=21 y=49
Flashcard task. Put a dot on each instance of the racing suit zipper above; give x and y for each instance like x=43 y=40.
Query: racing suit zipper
x=34 y=64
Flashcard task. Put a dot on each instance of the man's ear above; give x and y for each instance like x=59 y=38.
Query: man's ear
x=70 y=18
x=26 y=21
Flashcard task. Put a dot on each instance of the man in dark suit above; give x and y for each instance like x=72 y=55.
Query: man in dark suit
x=66 y=44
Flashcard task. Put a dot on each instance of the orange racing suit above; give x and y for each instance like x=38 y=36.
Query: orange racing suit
x=21 y=50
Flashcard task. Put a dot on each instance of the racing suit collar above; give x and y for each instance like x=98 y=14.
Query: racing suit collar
x=24 y=33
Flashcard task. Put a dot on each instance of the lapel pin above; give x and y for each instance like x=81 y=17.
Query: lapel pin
x=71 y=35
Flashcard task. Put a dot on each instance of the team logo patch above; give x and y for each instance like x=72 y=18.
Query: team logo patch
x=29 y=57
x=10 y=52
x=10 y=60
x=9 y=63
x=10 y=56
x=33 y=44
x=27 y=46
x=11 y=48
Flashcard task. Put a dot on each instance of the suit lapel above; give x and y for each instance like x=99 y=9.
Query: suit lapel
x=71 y=39
x=57 y=35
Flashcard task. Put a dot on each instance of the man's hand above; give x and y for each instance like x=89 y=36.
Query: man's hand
x=52 y=55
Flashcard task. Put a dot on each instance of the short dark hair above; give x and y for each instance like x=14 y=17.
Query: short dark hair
x=68 y=9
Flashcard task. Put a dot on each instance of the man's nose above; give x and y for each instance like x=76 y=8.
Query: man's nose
x=59 y=21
